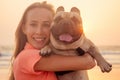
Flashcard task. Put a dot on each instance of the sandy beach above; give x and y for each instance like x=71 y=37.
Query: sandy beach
x=4 y=73
x=94 y=74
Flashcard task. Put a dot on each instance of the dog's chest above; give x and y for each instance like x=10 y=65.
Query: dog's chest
x=64 y=52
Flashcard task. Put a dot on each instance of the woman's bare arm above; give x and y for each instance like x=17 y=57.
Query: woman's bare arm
x=63 y=63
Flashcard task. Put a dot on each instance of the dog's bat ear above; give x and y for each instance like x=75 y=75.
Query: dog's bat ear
x=74 y=9
x=60 y=8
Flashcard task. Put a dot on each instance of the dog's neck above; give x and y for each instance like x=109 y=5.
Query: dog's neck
x=62 y=46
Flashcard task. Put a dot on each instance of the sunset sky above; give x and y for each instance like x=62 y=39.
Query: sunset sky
x=101 y=18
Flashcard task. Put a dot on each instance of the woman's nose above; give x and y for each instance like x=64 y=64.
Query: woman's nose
x=39 y=30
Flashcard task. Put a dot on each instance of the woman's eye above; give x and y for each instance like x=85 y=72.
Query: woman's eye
x=46 y=24
x=33 y=24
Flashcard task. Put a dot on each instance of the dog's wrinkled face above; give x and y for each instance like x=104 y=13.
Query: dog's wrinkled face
x=67 y=26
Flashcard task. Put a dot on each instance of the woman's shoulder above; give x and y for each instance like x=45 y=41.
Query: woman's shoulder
x=27 y=53
x=30 y=51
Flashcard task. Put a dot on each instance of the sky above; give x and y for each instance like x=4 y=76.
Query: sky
x=101 y=18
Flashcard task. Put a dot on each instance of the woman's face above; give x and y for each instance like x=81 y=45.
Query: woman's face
x=37 y=27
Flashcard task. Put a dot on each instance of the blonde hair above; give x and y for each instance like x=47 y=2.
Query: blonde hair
x=20 y=37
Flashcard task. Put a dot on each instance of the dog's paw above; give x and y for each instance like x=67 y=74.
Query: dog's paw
x=46 y=51
x=105 y=66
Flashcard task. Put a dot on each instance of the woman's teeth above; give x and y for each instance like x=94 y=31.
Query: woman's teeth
x=39 y=39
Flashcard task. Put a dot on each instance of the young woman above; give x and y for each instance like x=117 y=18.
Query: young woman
x=32 y=34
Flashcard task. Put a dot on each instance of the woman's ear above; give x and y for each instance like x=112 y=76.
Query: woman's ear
x=75 y=9
x=60 y=8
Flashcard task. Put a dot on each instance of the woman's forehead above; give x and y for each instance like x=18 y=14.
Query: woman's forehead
x=39 y=14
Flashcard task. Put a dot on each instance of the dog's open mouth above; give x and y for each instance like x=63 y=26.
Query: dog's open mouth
x=65 y=37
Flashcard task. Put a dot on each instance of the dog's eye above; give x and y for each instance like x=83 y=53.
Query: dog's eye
x=75 y=19
x=58 y=19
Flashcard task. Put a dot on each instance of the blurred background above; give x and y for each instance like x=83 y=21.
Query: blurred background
x=101 y=21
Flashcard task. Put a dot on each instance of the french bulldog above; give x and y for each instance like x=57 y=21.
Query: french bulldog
x=68 y=38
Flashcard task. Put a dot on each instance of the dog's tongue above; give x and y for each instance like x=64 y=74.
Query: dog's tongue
x=65 y=37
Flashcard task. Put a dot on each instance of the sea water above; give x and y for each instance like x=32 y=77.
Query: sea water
x=110 y=53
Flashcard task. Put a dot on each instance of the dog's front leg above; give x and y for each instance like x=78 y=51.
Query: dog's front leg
x=45 y=51
x=101 y=62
